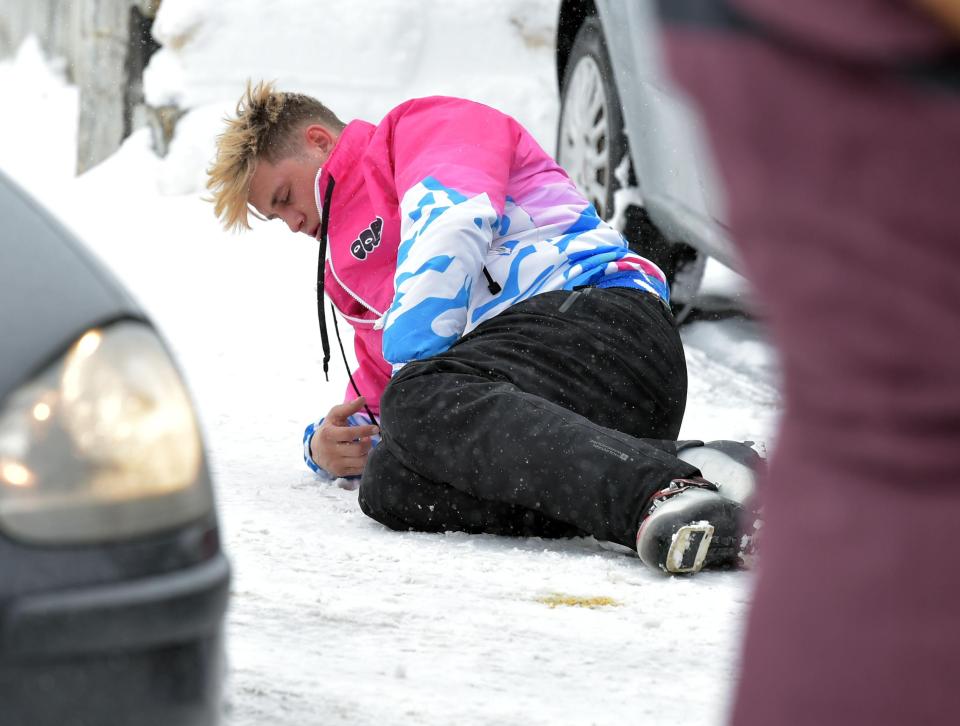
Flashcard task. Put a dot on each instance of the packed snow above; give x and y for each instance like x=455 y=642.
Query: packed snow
x=334 y=619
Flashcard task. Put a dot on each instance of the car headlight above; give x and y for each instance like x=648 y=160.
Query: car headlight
x=101 y=445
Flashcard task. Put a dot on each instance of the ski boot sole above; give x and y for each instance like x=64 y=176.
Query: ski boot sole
x=688 y=548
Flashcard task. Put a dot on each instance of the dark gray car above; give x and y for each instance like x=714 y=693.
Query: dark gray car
x=113 y=585
x=630 y=142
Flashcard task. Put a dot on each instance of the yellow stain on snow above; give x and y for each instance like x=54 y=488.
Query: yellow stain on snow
x=557 y=600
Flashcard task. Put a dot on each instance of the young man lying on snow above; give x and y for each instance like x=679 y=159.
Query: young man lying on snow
x=523 y=362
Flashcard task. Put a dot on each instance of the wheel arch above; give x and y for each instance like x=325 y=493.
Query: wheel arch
x=573 y=13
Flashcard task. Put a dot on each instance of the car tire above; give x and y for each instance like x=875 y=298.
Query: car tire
x=592 y=145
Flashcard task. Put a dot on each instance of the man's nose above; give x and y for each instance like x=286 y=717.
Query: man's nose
x=294 y=221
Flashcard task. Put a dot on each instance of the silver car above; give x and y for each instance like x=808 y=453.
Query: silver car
x=631 y=143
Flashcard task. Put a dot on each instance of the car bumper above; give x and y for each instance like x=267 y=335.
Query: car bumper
x=146 y=651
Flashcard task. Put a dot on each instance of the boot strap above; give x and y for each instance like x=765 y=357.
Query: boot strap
x=677 y=486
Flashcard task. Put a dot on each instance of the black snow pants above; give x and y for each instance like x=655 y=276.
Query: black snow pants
x=556 y=418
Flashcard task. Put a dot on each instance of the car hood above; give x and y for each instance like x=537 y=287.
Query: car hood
x=51 y=288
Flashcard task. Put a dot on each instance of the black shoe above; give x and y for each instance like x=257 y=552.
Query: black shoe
x=690 y=526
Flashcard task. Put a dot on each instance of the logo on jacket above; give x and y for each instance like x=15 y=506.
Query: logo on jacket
x=368 y=240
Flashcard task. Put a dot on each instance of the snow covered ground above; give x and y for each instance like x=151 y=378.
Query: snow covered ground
x=335 y=620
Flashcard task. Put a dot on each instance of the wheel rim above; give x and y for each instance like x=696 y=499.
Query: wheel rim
x=584 y=148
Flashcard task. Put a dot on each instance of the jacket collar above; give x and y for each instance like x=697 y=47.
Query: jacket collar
x=345 y=156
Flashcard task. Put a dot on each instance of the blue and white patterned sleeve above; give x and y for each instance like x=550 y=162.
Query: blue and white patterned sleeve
x=446 y=237
x=357 y=419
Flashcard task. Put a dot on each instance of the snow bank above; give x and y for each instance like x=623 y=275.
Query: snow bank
x=360 y=57
x=39 y=119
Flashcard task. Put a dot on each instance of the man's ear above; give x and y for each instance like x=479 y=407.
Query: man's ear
x=320 y=137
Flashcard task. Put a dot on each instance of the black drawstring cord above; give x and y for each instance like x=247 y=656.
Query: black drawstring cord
x=321 y=269
x=356 y=389
x=492 y=285
x=324 y=222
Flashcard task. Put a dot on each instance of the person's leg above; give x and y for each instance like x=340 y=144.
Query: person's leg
x=572 y=415
x=404 y=500
x=842 y=181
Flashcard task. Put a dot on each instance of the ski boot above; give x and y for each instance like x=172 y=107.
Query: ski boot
x=690 y=526
x=708 y=521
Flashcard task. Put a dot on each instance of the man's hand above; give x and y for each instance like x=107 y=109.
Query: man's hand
x=339 y=448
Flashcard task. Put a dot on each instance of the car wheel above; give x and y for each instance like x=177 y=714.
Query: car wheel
x=592 y=147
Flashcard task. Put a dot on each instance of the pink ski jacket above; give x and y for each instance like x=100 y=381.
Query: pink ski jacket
x=444 y=215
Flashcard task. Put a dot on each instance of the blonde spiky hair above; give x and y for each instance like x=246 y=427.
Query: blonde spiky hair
x=263 y=128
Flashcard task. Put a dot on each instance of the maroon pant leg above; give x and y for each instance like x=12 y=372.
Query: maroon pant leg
x=844 y=190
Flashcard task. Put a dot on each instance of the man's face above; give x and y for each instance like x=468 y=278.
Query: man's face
x=284 y=190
